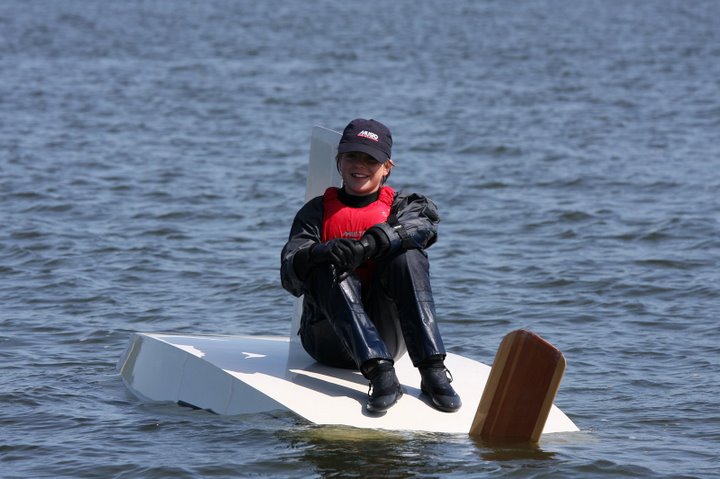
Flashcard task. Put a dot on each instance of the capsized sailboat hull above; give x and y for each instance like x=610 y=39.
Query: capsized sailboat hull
x=249 y=374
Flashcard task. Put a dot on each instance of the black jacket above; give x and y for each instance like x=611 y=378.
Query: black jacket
x=412 y=224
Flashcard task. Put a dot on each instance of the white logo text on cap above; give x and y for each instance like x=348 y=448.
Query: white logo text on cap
x=369 y=135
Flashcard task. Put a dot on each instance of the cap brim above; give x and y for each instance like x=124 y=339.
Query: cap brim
x=379 y=156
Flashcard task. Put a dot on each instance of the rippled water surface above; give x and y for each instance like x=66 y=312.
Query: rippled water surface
x=153 y=154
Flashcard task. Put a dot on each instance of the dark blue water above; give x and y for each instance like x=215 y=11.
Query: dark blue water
x=153 y=154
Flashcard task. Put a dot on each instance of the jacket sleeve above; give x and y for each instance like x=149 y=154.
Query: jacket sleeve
x=305 y=232
x=412 y=224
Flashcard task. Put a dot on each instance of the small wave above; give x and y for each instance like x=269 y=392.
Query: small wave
x=497 y=151
x=49 y=208
x=574 y=216
x=672 y=264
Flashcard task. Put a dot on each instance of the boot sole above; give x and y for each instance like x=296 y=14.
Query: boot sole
x=377 y=409
x=436 y=404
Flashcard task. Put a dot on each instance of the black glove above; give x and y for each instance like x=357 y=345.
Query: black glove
x=378 y=241
x=345 y=254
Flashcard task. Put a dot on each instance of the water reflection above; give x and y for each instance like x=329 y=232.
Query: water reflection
x=511 y=451
x=350 y=452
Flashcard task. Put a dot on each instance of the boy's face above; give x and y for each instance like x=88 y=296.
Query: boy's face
x=361 y=173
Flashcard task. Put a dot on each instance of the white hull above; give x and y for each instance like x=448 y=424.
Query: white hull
x=245 y=374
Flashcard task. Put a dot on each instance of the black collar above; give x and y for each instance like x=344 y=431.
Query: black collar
x=357 y=201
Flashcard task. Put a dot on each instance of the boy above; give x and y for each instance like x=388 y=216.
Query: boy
x=357 y=254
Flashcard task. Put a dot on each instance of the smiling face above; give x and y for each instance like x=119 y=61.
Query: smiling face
x=361 y=174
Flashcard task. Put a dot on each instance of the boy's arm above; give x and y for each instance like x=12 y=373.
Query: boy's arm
x=304 y=233
x=412 y=225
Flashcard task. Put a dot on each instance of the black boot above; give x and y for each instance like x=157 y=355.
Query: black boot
x=435 y=383
x=385 y=389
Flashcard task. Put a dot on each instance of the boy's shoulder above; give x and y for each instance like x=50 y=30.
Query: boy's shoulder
x=312 y=205
x=410 y=196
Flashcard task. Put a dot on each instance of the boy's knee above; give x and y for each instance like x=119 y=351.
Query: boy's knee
x=411 y=258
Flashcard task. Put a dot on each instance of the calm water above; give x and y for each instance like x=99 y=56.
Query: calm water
x=153 y=154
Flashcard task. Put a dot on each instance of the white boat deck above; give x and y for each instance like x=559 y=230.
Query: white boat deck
x=246 y=374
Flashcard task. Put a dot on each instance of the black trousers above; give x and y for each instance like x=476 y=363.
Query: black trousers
x=345 y=325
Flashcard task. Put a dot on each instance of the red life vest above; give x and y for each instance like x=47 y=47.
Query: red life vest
x=342 y=221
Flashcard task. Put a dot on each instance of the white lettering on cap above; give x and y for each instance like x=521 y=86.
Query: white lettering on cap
x=369 y=135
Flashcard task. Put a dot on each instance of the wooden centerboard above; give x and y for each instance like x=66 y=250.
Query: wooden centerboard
x=520 y=390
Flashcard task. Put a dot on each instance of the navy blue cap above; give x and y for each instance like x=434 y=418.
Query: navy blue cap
x=367 y=136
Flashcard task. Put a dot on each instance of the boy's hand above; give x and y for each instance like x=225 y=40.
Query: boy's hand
x=341 y=253
x=379 y=242
x=345 y=254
